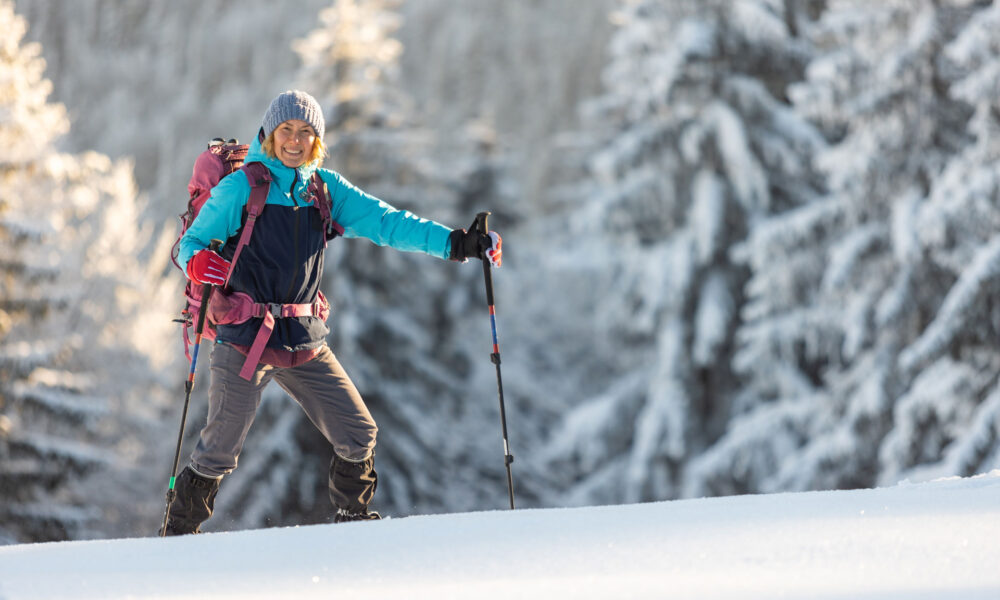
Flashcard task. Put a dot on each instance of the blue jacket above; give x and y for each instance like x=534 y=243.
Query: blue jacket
x=283 y=262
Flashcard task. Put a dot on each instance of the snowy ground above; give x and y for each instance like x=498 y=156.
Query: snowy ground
x=933 y=540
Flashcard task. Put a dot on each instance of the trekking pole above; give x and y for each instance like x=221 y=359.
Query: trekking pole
x=188 y=386
x=508 y=458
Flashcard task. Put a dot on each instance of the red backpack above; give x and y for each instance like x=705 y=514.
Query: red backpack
x=221 y=159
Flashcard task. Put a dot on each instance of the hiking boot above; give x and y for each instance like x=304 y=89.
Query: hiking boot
x=193 y=504
x=344 y=515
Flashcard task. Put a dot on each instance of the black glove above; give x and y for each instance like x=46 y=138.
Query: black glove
x=468 y=244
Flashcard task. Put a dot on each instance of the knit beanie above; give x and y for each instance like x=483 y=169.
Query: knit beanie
x=294 y=104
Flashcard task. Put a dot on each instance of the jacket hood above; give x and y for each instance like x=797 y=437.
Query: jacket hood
x=284 y=175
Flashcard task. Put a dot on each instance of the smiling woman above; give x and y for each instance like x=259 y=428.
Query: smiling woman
x=283 y=337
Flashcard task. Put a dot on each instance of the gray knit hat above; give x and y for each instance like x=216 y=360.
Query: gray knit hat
x=294 y=104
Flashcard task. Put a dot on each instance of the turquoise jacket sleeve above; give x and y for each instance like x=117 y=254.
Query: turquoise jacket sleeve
x=219 y=219
x=363 y=215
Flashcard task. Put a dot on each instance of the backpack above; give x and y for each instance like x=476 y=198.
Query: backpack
x=221 y=159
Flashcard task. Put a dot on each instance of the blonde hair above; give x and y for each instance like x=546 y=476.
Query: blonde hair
x=318 y=154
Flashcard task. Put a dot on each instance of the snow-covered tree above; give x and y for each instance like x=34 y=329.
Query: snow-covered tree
x=154 y=81
x=73 y=309
x=948 y=422
x=861 y=350
x=691 y=146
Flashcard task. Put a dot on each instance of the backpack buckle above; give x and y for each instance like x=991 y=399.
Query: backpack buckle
x=262 y=309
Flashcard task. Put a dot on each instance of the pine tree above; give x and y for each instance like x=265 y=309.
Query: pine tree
x=692 y=144
x=71 y=349
x=845 y=311
x=155 y=81
x=948 y=421
x=32 y=460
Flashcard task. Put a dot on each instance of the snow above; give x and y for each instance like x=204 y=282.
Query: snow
x=930 y=540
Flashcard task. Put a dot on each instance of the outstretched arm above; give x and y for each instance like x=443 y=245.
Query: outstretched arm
x=364 y=215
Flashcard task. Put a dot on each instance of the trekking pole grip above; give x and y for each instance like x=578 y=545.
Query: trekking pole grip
x=481 y=225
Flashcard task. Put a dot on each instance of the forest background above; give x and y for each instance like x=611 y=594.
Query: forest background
x=752 y=246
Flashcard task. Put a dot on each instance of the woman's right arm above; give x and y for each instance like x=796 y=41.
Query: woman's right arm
x=219 y=219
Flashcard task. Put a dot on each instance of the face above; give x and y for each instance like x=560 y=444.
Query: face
x=293 y=142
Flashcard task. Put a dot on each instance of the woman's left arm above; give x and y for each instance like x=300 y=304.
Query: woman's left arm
x=364 y=215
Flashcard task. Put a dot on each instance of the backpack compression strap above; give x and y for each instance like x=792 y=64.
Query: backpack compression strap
x=259 y=178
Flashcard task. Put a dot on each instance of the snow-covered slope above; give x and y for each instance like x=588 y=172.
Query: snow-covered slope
x=932 y=540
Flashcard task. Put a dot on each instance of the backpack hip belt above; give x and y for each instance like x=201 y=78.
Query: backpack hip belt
x=235 y=308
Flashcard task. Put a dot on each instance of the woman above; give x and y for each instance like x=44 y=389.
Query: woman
x=281 y=266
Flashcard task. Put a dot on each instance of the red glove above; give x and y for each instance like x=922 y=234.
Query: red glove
x=207 y=267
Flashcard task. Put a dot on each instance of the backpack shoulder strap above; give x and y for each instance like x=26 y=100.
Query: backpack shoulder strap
x=259 y=178
x=321 y=192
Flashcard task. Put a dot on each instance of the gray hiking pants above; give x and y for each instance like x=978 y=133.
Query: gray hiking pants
x=329 y=399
